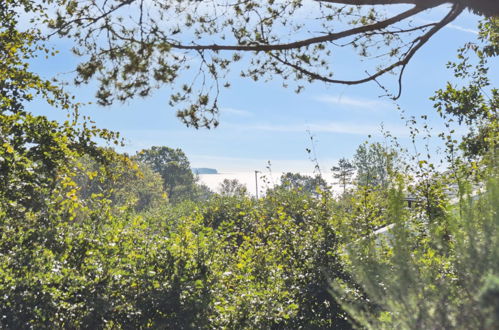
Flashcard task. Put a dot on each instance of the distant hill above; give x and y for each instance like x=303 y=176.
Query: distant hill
x=204 y=170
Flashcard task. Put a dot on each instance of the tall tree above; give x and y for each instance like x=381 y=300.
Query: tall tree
x=174 y=168
x=373 y=164
x=134 y=46
x=343 y=172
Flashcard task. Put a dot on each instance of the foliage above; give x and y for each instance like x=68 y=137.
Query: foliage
x=201 y=192
x=276 y=254
x=374 y=164
x=343 y=172
x=434 y=265
x=361 y=212
x=310 y=185
x=104 y=273
x=231 y=263
x=38 y=157
x=174 y=168
x=86 y=240
x=123 y=182
x=232 y=187
x=43 y=276
x=17 y=83
x=431 y=274
x=476 y=103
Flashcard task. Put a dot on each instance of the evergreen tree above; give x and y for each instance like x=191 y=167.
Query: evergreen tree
x=343 y=172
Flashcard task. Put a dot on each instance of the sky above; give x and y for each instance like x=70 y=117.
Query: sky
x=263 y=125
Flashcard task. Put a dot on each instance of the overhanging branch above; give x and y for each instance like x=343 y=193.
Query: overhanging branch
x=419 y=3
x=306 y=42
x=416 y=45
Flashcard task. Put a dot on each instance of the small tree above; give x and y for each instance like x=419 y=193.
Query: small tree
x=232 y=188
x=201 y=192
x=304 y=183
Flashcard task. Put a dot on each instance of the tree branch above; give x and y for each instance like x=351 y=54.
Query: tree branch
x=307 y=42
x=487 y=8
x=416 y=45
x=419 y=3
x=90 y=20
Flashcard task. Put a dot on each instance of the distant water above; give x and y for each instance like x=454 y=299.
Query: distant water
x=265 y=180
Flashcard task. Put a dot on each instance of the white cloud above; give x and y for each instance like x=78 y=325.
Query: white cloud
x=237 y=112
x=461 y=28
x=449 y=26
x=331 y=127
x=352 y=102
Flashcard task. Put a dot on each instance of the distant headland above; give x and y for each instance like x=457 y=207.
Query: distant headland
x=204 y=170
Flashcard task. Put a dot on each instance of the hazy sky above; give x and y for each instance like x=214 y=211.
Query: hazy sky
x=263 y=122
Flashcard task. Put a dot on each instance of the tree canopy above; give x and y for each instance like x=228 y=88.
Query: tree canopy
x=135 y=46
x=311 y=185
x=373 y=164
x=343 y=172
x=174 y=168
x=232 y=187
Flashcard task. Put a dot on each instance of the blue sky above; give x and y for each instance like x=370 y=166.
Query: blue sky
x=263 y=122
